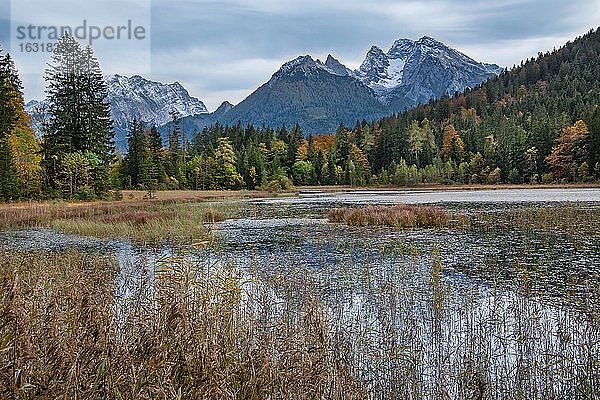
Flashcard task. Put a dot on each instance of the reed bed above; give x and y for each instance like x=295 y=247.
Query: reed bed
x=196 y=332
x=411 y=333
x=571 y=219
x=214 y=330
x=141 y=221
x=397 y=216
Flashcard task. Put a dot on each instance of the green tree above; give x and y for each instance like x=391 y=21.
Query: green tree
x=75 y=175
x=10 y=92
x=176 y=164
x=302 y=172
x=79 y=112
x=138 y=158
x=156 y=171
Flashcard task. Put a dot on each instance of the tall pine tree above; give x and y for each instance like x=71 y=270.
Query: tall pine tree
x=79 y=113
x=176 y=148
x=157 y=168
x=138 y=159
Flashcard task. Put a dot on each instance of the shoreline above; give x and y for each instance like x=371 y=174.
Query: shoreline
x=336 y=189
x=201 y=196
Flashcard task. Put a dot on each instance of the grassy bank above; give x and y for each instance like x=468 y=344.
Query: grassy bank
x=141 y=221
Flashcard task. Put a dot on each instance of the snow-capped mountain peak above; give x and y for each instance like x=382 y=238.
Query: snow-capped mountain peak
x=401 y=48
x=149 y=101
x=399 y=73
x=375 y=66
x=307 y=66
x=336 y=67
x=299 y=63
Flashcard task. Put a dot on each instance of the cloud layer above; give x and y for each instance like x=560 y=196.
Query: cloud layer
x=222 y=50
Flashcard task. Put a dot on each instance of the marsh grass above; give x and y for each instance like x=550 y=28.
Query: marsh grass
x=211 y=330
x=141 y=221
x=200 y=332
x=392 y=326
x=397 y=216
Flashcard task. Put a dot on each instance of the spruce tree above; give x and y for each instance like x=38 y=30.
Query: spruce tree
x=138 y=157
x=176 y=153
x=80 y=119
x=157 y=168
x=98 y=126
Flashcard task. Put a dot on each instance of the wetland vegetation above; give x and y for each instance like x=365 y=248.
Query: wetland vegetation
x=277 y=302
x=141 y=221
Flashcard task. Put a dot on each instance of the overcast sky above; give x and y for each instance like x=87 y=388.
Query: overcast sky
x=223 y=50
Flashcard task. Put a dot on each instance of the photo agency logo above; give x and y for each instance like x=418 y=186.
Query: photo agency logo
x=117 y=30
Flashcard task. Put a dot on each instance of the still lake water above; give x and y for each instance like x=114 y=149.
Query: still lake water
x=295 y=230
x=285 y=233
x=513 y=296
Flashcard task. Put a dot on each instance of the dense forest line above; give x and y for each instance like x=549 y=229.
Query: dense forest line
x=538 y=122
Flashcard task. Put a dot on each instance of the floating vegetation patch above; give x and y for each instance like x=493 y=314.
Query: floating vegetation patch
x=397 y=216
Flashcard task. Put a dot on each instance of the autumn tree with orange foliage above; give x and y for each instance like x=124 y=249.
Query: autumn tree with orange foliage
x=453 y=148
x=570 y=153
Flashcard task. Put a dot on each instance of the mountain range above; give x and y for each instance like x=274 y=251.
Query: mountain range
x=139 y=98
x=317 y=95
x=320 y=95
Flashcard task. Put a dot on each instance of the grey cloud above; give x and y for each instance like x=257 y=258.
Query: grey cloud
x=230 y=47
x=4 y=23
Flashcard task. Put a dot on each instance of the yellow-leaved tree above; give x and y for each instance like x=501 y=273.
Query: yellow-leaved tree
x=570 y=153
x=19 y=148
x=453 y=148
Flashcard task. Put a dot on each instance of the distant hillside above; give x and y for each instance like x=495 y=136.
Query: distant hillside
x=521 y=110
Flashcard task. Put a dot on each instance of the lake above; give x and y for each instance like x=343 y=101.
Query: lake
x=509 y=301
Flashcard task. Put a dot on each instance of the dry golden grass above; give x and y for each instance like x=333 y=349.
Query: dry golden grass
x=200 y=331
x=142 y=221
x=196 y=333
x=398 y=216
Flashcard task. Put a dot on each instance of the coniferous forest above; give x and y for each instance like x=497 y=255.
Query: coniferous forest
x=538 y=122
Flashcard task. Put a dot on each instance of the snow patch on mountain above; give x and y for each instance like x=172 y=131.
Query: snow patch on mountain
x=149 y=101
x=407 y=61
